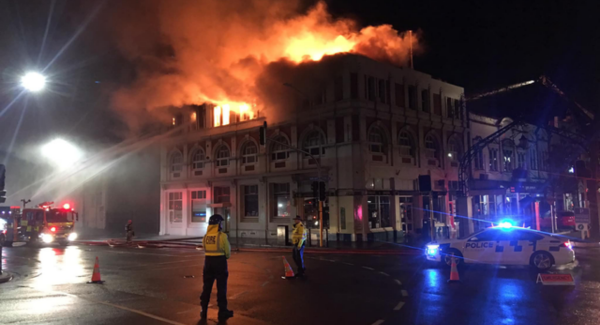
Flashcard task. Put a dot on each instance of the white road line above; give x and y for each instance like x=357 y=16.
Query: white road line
x=383 y=273
x=264 y=284
x=379 y=322
x=188 y=311
x=368 y=268
x=398 y=281
x=139 y=312
x=404 y=293
x=237 y=295
x=348 y=263
x=399 y=306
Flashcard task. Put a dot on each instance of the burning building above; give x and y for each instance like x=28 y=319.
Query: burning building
x=373 y=127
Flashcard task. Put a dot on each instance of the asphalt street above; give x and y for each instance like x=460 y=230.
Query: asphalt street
x=161 y=286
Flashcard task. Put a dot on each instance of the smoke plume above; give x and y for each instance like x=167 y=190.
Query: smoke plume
x=222 y=52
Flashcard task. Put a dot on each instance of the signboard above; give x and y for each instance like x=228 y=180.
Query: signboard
x=582 y=215
x=555 y=279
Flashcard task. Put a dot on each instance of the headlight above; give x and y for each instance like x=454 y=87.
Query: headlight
x=72 y=236
x=46 y=238
x=432 y=249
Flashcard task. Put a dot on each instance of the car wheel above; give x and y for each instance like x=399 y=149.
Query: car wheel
x=453 y=252
x=542 y=261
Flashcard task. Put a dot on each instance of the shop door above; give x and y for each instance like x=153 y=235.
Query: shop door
x=175 y=213
x=224 y=212
x=406 y=213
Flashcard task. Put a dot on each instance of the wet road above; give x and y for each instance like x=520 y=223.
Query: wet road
x=161 y=286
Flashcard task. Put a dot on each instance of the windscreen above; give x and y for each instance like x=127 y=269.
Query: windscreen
x=60 y=216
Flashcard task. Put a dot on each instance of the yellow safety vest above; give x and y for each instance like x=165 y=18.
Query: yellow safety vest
x=215 y=242
x=298 y=235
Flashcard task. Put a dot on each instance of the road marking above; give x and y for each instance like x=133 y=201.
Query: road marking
x=348 y=263
x=398 y=281
x=188 y=311
x=404 y=293
x=237 y=295
x=368 y=268
x=139 y=312
x=379 y=322
x=264 y=284
x=399 y=306
x=383 y=273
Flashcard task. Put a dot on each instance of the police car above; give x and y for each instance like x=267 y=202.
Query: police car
x=504 y=245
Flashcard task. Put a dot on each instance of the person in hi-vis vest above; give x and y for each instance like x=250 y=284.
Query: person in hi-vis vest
x=217 y=251
x=298 y=239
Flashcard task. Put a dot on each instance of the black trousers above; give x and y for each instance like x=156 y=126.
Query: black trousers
x=298 y=254
x=215 y=268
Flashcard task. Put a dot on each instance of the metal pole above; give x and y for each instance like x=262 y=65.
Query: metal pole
x=431 y=220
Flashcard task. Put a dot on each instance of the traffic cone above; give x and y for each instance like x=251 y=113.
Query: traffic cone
x=289 y=273
x=453 y=272
x=96 y=274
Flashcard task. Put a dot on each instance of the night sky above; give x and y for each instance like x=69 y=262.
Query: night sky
x=479 y=45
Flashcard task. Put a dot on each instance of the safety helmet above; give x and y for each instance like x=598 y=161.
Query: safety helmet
x=215 y=219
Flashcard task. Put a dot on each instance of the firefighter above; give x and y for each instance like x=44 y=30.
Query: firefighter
x=129 y=230
x=217 y=251
x=298 y=239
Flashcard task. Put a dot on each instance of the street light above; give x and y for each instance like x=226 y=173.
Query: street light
x=61 y=153
x=33 y=81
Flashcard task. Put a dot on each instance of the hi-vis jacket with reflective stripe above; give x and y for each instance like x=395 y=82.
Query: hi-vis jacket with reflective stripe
x=216 y=242
x=298 y=235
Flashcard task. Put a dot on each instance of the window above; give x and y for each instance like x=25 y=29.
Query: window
x=313 y=143
x=437 y=104
x=198 y=206
x=343 y=218
x=377 y=141
x=379 y=211
x=400 y=96
x=521 y=159
x=281 y=200
x=338 y=88
x=478 y=160
x=198 y=161
x=487 y=235
x=250 y=201
x=249 y=152
x=222 y=156
x=432 y=150
x=507 y=155
x=454 y=150
x=412 y=97
x=175 y=207
x=493 y=159
x=543 y=160
x=222 y=115
x=425 y=101
x=457 y=109
x=354 y=85
x=279 y=149
x=406 y=212
x=221 y=194
x=370 y=88
x=407 y=146
x=382 y=91
x=533 y=159
x=449 y=107
x=176 y=162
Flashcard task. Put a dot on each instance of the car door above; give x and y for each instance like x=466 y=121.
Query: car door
x=480 y=247
x=522 y=244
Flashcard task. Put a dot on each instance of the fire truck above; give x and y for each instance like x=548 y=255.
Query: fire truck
x=42 y=225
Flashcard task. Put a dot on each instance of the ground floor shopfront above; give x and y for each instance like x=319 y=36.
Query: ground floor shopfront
x=253 y=208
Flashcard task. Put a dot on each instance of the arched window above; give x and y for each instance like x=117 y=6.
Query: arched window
x=407 y=146
x=313 y=143
x=280 y=148
x=377 y=141
x=432 y=150
x=222 y=154
x=176 y=164
x=198 y=159
x=454 y=149
x=508 y=151
x=249 y=152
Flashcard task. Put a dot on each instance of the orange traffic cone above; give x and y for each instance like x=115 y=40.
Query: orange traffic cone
x=453 y=271
x=289 y=273
x=96 y=274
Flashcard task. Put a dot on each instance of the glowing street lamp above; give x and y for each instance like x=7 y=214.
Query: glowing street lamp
x=33 y=81
x=61 y=153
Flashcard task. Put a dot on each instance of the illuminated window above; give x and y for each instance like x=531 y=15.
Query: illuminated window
x=379 y=211
x=454 y=150
x=508 y=159
x=199 y=206
x=493 y=159
x=281 y=200
x=175 y=207
x=221 y=115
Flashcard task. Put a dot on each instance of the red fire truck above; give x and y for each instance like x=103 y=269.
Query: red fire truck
x=43 y=224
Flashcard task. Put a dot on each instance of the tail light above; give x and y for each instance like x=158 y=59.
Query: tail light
x=53 y=229
x=567 y=244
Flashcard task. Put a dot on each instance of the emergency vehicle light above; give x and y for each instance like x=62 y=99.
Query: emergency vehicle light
x=66 y=206
x=53 y=229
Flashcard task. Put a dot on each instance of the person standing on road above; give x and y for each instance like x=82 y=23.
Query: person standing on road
x=217 y=252
x=298 y=239
x=129 y=231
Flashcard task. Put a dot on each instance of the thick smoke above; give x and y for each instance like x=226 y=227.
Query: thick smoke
x=193 y=52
